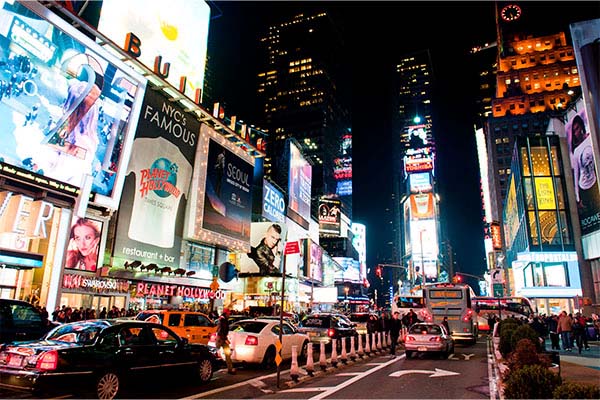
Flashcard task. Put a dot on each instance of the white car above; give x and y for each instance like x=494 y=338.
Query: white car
x=253 y=341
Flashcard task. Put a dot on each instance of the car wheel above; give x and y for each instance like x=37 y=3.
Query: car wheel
x=205 y=370
x=108 y=385
x=451 y=350
x=303 y=351
x=409 y=354
x=269 y=358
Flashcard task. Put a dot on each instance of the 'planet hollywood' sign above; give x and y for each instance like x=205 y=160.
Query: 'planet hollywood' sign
x=152 y=289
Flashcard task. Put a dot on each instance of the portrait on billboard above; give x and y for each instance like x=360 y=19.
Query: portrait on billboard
x=267 y=240
x=84 y=245
x=64 y=108
x=585 y=176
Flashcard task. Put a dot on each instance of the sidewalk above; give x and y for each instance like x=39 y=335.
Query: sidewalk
x=580 y=368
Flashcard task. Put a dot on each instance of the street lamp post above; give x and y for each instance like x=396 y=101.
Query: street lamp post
x=422 y=258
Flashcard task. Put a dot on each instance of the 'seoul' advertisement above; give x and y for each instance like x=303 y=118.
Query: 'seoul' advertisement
x=155 y=191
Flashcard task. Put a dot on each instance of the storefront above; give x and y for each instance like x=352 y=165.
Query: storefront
x=93 y=292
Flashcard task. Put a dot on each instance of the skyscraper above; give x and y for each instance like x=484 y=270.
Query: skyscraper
x=298 y=88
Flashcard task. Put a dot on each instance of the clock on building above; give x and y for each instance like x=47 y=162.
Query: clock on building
x=510 y=12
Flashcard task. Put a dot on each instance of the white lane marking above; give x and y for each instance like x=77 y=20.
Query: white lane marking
x=355 y=379
x=307 y=389
x=373 y=363
x=468 y=356
x=433 y=374
x=492 y=373
x=348 y=374
x=252 y=382
x=451 y=357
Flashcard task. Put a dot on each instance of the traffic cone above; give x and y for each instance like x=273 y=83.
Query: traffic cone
x=294 y=369
x=360 y=346
x=374 y=342
x=310 y=368
x=334 y=360
x=344 y=355
x=367 y=345
x=379 y=347
x=389 y=339
x=352 y=352
x=322 y=357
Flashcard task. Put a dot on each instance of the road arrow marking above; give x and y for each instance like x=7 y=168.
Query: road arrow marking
x=434 y=374
x=468 y=356
x=451 y=357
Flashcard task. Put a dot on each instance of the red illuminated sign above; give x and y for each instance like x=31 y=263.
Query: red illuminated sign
x=153 y=289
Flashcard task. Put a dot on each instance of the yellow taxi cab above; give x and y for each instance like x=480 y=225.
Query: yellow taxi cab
x=195 y=326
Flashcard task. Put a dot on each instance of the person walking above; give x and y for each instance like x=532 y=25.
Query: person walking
x=552 y=323
x=222 y=341
x=565 y=326
x=394 y=325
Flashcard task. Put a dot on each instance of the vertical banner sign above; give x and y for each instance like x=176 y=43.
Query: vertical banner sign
x=156 y=189
x=300 y=181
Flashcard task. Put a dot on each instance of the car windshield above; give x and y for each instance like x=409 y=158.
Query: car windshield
x=359 y=317
x=427 y=329
x=315 y=322
x=248 y=326
x=150 y=317
x=84 y=333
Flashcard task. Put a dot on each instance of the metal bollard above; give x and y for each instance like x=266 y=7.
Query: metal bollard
x=322 y=357
x=360 y=346
x=334 y=360
x=367 y=345
x=352 y=351
x=310 y=368
x=294 y=369
x=344 y=355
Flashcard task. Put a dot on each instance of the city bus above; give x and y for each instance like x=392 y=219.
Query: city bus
x=454 y=301
x=503 y=307
x=405 y=302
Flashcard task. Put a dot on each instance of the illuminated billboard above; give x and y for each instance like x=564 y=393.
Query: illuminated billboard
x=155 y=193
x=419 y=160
x=423 y=235
x=273 y=207
x=68 y=107
x=422 y=206
x=342 y=168
x=265 y=256
x=177 y=31
x=313 y=260
x=299 y=184
x=220 y=207
x=330 y=216
x=417 y=136
x=343 y=188
x=420 y=182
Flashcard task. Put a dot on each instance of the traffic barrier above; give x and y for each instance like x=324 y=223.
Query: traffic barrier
x=389 y=339
x=294 y=369
x=352 y=351
x=344 y=355
x=374 y=342
x=360 y=350
x=379 y=347
x=403 y=334
x=334 y=360
x=322 y=357
x=310 y=368
x=367 y=346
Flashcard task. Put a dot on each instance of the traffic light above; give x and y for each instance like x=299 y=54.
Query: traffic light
x=378 y=271
x=456 y=279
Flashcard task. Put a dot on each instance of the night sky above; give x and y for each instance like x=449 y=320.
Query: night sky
x=377 y=34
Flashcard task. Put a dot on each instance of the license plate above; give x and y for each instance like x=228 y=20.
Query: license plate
x=15 y=361
x=421 y=348
x=312 y=334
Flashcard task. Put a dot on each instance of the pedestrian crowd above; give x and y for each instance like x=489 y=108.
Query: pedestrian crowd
x=66 y=314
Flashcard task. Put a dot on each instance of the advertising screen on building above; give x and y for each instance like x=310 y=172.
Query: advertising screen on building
x=330 y=216
x=177 y=31
x=83 y=252
x=343 y=188
x=423 y=235
x=420 y=182
x=266 y=253
x=273 y=203
x=68 y=107
x=299 y=184
x=220 y=210
x=156 y=189
x=422 y=206
x=350 y=270
x=417 y=136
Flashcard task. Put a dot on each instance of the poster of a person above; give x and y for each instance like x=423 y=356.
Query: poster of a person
x=84 y=245
x=267 y=241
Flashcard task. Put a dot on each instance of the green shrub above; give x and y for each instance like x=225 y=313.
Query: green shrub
x=572 y=390
x=526 y=353
x=531 y=382
x=507 y=329
x=525 y=332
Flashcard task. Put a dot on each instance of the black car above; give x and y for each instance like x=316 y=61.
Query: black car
x=323 y=327
x=99 y=356
x=20 y=320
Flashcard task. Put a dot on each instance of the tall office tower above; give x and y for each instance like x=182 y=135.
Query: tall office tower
x=537 y=77
x=298 y=86
x=416 y=209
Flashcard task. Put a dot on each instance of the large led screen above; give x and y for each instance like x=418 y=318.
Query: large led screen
x=330 y=216
x=422 y=206
x=83 y=252
x=424 y=238
x=273 y=203
x=300 y=180
x=155 y=192
x=67 y=107
x=266 y=252
x=220 y=209
x=176 y=30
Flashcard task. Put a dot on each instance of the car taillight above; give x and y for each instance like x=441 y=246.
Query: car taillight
x=410 y=339
x=251 y=341
x=427 y=317
x=213 y=337
x=435 y=339
x=47 y=361
x=468 y=315
x=330 y=332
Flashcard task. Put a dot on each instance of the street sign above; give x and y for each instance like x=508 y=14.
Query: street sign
x=497 y=276
x=291 y=248
x=278 y=358
x=498 y=290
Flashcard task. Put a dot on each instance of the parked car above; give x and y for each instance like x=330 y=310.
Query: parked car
x=20 y=320
x=360 y=319
x=426 y=337
x=252 y=341
x=100 y=356
x=323 y=327
x=195 y=326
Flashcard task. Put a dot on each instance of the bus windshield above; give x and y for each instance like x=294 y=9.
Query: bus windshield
x=403 y=303
x=502 y=308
